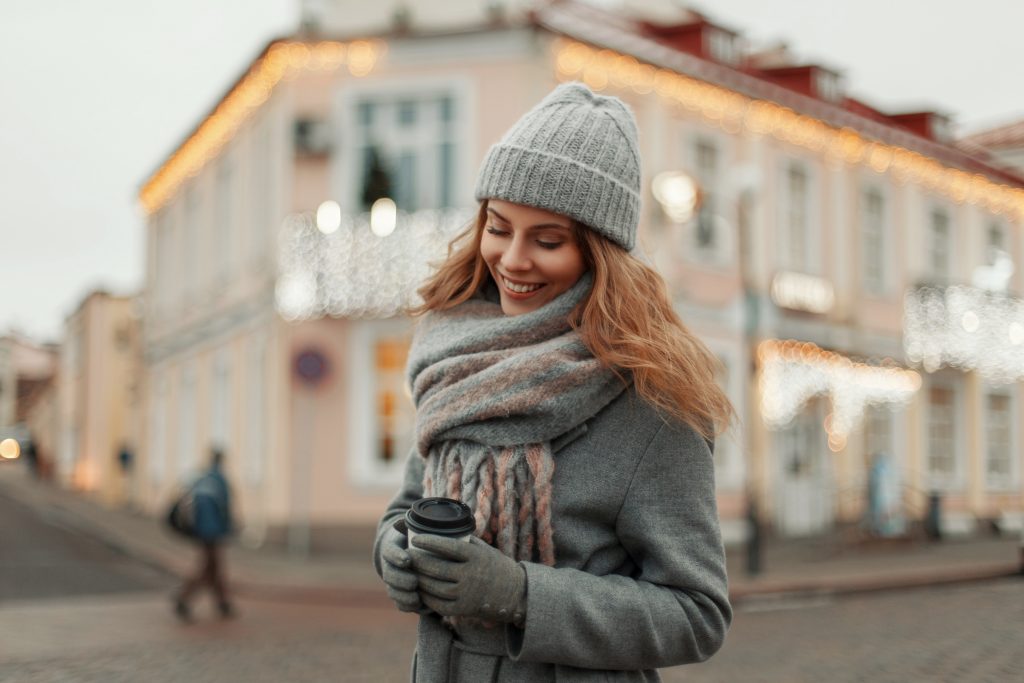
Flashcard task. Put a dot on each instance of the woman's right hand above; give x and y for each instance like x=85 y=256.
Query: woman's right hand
x=397 y=573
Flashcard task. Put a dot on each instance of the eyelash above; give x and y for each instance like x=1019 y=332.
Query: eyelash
x=550 y=246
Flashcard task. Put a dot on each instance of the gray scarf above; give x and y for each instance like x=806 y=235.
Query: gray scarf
x=491 y=393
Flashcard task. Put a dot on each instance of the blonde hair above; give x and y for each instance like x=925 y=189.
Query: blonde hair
x=627 y=322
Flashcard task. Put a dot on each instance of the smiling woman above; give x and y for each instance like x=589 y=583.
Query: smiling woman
x=532 y=255
x=561 y=399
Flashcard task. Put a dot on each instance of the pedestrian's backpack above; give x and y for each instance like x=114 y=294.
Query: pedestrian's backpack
x=181 y=516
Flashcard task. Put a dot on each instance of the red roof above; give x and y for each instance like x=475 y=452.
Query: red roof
x=601 y=28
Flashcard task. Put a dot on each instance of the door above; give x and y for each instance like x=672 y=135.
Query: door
x=804 y=502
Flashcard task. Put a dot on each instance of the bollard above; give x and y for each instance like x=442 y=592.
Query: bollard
x=933 y=519
x=753 y=538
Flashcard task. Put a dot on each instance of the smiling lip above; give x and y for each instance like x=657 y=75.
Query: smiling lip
x=518 y=295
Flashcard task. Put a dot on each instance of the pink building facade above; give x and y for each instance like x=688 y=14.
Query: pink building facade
x=273 y=322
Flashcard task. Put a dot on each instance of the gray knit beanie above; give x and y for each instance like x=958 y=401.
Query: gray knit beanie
x=575 y=154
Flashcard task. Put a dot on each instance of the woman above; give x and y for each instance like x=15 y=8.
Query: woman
x=559 y=396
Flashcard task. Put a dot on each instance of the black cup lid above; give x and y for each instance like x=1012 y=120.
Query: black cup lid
x=441 y=515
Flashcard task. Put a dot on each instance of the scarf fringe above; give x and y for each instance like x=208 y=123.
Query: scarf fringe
x=509 y=492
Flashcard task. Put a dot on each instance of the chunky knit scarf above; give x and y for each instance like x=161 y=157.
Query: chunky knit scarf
x=491 y=393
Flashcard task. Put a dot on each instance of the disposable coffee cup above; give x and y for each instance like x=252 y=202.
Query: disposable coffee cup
x=441 y=517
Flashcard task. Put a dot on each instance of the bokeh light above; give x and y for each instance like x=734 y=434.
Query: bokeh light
x=328 y=217
x=10 y=449
x=383 y=217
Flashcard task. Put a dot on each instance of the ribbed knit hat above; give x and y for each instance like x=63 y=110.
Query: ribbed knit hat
x=575 y=154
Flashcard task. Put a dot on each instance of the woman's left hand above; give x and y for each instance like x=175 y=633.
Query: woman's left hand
x=472 y=579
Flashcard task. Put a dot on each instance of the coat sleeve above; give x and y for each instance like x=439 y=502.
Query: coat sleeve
x=411 y=491
x=674 y=608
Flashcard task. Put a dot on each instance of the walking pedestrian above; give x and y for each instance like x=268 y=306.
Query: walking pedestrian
x=212 y=523
x=561 y=398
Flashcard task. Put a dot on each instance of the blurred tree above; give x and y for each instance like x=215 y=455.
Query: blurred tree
x=376 y=179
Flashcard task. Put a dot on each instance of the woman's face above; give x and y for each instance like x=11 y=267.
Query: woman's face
x=532 y=254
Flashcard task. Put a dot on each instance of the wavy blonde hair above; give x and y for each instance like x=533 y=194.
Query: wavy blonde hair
x=627 y=322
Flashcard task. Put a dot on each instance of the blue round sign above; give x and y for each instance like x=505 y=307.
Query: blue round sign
x=311 y=366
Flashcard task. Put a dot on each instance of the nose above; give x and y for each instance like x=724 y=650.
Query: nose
x=516 y=257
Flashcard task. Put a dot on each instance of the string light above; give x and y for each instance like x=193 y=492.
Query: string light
x=282 y=60
x=600 y=68
x=793 y=372
x=965 y=327
x=353 y=272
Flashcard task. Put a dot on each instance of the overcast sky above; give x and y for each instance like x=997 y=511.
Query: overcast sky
x=96 y=94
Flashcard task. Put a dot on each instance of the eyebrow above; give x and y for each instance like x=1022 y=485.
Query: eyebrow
x=532 y=227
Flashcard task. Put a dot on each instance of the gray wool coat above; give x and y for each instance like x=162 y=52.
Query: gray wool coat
x=639 y=579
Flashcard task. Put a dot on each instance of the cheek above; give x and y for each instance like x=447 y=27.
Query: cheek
x=488 y=251
x=570 y=267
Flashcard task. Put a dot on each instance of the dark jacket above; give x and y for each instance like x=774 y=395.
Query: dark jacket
x=212 y=506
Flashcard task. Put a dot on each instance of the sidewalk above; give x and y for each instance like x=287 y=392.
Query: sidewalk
x=810 y=568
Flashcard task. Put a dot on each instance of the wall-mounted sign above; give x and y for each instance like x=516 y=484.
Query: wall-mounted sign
x=802 y=292
x=311 y=367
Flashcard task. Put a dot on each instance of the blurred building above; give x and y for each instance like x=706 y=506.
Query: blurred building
x=41 y=422
x=1002 y=145
x=95 y=406
x=273 y=299
x=26 y=369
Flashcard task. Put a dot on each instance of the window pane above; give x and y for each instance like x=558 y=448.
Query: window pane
x=797 y=216
x=395 y=413
x=406 y=112
x=366 y=113
x=873 y=241
x=446 y=156
x=707 y=174
x=940 y=245
x=941 y=431
x=406 y=191
x=998 y=436
x=447 y=109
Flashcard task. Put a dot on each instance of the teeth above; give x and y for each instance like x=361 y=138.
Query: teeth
x=520 y=289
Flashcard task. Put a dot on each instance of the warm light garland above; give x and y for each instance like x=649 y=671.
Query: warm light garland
x=281 y=60
x=735 y=112
x=965 y=327
x=353 y=272
x=793 y=372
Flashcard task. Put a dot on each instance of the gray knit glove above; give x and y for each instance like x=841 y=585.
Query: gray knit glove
x=472 y=579
x=397 y=573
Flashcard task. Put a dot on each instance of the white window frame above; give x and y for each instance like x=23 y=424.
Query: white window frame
x=187 y=456
x=221 y=401
x=255 y=423
x=367 y=471
x=993 y=226
x=224 y=221
x=722 y=213
x=946 y=277
x=880 y=287
x=1010 y=482
x=809 y=263
x=953 y=481
x=348 y=185
x=190 y=243
x=261 y=177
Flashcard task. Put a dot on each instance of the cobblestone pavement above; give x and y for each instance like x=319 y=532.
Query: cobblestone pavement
x=971 y=633
x=41 y=555
x=966 y=634
x=121 y=639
